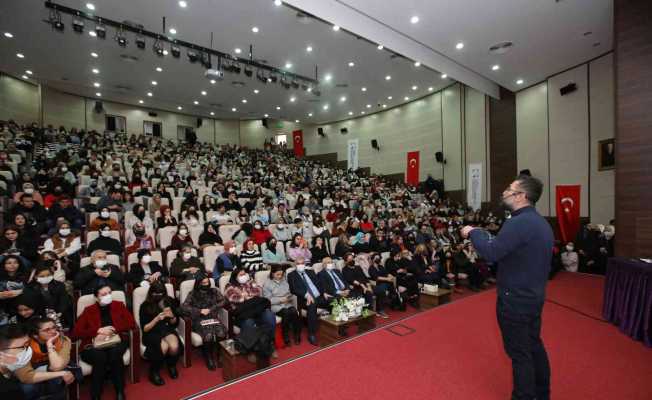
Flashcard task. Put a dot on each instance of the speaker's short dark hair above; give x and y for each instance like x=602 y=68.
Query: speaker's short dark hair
x=531 y=186
x=11 y=332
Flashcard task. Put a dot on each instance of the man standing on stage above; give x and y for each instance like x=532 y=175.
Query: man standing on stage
x=523 y=251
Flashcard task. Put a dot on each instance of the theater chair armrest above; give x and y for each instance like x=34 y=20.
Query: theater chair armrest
x=295 y=302
x=73 y=390
x=184 y=329
x=223 y=315
x=134 y=348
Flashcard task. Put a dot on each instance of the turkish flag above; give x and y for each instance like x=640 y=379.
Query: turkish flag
x=412 y=174
x=297 y=140
x=568 y=211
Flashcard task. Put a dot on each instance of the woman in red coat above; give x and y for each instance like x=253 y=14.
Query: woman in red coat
x=102 y=320
x=260 y=234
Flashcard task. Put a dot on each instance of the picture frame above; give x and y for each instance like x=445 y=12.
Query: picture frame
x=606 y=154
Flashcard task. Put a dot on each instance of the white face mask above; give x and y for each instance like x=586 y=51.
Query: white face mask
x=301 y=267
x=22 y=359
x=186 y=256
x=330 y=267
x=105 y=214
x=232 y=250
x=105 y=233
x=106 y=299
x=100 y=263
x=44 y=280
x=146 y=259
x=29 y=190
x=64 y=232
x=242 y=279
x=258 y=226
x=183 y=232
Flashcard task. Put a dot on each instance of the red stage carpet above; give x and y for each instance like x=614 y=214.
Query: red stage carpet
x=456 y=353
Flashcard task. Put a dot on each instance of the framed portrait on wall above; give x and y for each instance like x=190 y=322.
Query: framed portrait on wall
x=606 y=154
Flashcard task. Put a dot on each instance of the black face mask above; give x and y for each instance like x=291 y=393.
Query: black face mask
x=205 y=287
x=157 y=296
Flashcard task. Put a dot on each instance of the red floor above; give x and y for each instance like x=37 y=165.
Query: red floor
x=455 y=353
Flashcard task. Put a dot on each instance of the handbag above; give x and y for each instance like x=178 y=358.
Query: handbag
x=106 y=341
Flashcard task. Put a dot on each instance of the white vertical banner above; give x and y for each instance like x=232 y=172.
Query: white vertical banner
x=352 y=154
x=474 y=187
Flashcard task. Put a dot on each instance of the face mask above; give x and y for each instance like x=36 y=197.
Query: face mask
x=23 y=358
x=146 y=259
x=105 y=233
x=205 y=287
x=29 y=190
x=100 y=263
x=280 y=226
x=183 y=232
x=242 y=279
x=106 y=299
x=301 y=267
x=64 y=232
x=105 y=214
x=44 y=280
x=138 y=232
x=257 y=226
x=64 y=169
x=186 y=256
x=330 y=267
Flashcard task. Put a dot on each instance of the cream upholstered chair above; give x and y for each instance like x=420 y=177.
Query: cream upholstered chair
x=210 y=256
x=92 y=235
x=165 y=235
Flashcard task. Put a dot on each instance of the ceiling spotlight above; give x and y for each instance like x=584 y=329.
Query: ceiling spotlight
x=260 y=75
x=350 y=112
x=140 y=42
x=154 y=83
x=293 y=99
x=288 y=65
x=159 y=69
x=310 y=114
x=295 y=83
x=414 y=19
x=256 y=91
x=277 y=2
x=100 y=31
x=444 y=76
x=183 y=4
x=380 y=47
x=55 y=20
x=158 y=48
x=519 y=82
x=212 y=113
x=179 y=108
x=266 y=115
x=417 y=64
x=149 y=94
x=495 y=67
x=121 y=39
x=406 y=98
x=309 y=49
x=430 y=89
x=325 y=107
x=94 y=55
x=77 y=25
x=414 y=87
x=362 y=112
x=284 y=82
x=384 y=105
x=95 y=71
x=328 y=77
x=388 y=77
x=336 y=28
x=173 y=31
x=234 y=109
x=254 y=29
x=98 y=94
x=176 y=51
x=296 y=121
x=141 y=101
x=459 y=46
x=278 y=108
x=25 y=77
x=28 y=72
x=244 y=101
x=96 y=84
x=192 y=56
x=351 y=64
x=248 y=71
x=92 y=33
x=272 y=77
x=20 y=55
x=368 y=105
x=343 y=98
x=237 y=50
x=213 y=81
x=389 y=97
x=203 y=93
x=364 y=89
x=195 y=102
x=165 y=52
x=90 y=6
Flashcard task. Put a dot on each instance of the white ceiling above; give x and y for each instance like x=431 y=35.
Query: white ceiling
x=548 y=37
x=282 y=37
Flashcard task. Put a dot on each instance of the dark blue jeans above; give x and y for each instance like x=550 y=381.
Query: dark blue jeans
x=521 y=331
x=266 y=320
x=54 y=389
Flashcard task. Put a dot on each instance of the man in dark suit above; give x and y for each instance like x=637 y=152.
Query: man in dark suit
x=305 y=285
x=332 y=280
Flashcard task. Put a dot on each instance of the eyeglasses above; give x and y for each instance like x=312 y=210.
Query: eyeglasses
x=23 y=347
x=48 y=329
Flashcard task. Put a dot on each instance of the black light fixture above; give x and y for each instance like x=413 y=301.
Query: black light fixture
x=272 y=77
x=260 y=74
x=192 y=56
x=285 y=82
x=248 y=71
x=176 y=51
x=55 y=20
x=206 y=60
x=236 y=68
x=304 y=86
x=121 y=38
x=158 y=48
x=295 y=83
x=77 y=25
x=140 y=42
x=100 y=31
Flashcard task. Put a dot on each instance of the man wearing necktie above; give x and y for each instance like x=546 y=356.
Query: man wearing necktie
x=332 y=280
x=305 y=285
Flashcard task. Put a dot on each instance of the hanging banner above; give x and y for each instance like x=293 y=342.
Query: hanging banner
x=474 y=187
x=352 y=159
x=568 y=211
x=297 y=139
x=412 y=173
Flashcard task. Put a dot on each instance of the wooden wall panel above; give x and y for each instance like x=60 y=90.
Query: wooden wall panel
x=502 y=139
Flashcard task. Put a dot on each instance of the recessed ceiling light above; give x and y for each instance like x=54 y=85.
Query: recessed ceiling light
x=234 y=109
x=293 y=99
x=414 y=87
x=96 y=84
x=343 y=98
x=173 y=31
x=179 y=108
x=388 y=77
x=159 y=69
x=203 y=93
x=384 y=105
x=212 y=113
x=278 y=108
x=95 y=71
x=244 y=101
x=94 y=55
x=237 y=50
x=336 y=27
x=98 y=94
x=368 y=105
x=430 y=89
x=266 y=115
x=310 y=114
x=444 y=76
x=459 y=46
x=328 y=77
x=380 y=47
x=519 y=81
x=362 y=112
x=25 y=77
x=406 y=98
x=350 y=112
x=309 y=49
x=183 y=4
x=256 y=91
x=90 y=6
x=417 y=64
x=288 y=65
x=277 y=2
x=325 y=107
x=495 y=67
x=254 y=29
x=296 y=121
x=351 y=64
x=92 y=33
x=414 y=19
x=20 y=55
x=165 y=52
x=28 y=72
x=154 y=83
x=195 y=102
x=141 y=101
x=364 y=89
x=149 y=94
x=8 y=35
x=213 y=81
x=389 y=97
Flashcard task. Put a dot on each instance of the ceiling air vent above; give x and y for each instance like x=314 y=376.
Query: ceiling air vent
x=238 y=83
x=122 y=88
x=128 y=58
x=501 y=48
x=217 y=105
x=342 y=85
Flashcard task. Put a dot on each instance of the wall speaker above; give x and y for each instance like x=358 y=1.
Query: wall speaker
x=264 y=122
x=374 y=144
x=344 y=131
x=152 y=114
x=199 y=122
x=571 y=87
x=320 y=132
x=99 y=107
x=439 y=157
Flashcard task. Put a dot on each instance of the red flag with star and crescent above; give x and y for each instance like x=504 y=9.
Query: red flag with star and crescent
x=568 y=211
x=412 y=174
x=297 y=140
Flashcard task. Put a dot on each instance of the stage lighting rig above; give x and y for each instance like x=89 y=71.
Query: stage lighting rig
x=100 y=31
x=55 y=20
x=295 y=84
x=192 y=56
x=273 y=78
x=260 y=75
x=176 y=51
x=121 y=38
x=248 y=71
x=206 y=60
x=158 y=48
x=77 y=25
